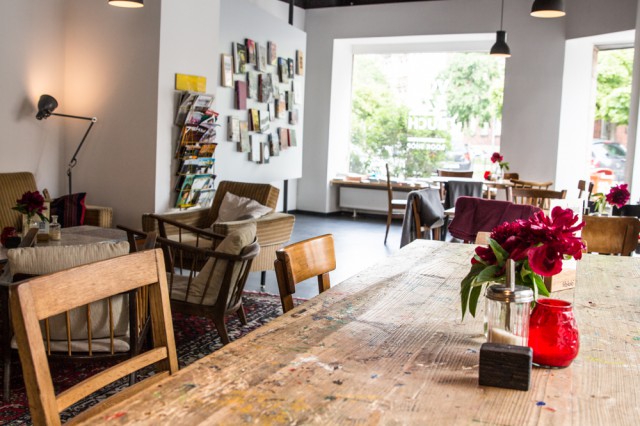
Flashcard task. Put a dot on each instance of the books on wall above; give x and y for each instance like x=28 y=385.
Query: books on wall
x=241 y=95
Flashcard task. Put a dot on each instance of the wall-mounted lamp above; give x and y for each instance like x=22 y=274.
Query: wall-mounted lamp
x=500 y=47
x=46 y=105
x=547 y=9
x=127 y=3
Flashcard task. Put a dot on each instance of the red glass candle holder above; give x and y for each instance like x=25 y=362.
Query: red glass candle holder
x=553 y=333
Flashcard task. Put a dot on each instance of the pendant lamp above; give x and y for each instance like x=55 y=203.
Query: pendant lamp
x=500 y=48
x=127 y=3
x=548 y=9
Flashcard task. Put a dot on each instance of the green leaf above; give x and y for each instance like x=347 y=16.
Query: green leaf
x=473 y=300
x=488 y=274
x=500 y=253
x=465 y=286
x=539 y=282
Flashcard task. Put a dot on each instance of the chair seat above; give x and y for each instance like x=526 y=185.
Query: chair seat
x=120 y=344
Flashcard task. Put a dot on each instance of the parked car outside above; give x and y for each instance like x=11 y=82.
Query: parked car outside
x=457 y=159
x=609 y=155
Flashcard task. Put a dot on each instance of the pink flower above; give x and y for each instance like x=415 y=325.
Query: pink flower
x=487 y=175
x=618 y=195
x=496 y=157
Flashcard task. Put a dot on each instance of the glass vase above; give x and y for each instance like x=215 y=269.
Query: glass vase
x=506 y=312
x=553 y=333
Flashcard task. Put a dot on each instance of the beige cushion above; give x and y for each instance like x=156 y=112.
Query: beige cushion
x=234 y=207
x=46 y=260
x=206 y=285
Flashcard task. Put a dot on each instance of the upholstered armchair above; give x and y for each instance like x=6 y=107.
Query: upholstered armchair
x=13 y=185
x=273 y=229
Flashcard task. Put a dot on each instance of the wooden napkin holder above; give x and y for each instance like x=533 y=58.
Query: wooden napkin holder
x=505 y=366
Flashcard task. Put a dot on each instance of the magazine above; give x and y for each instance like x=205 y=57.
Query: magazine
x=239 y=57
x=266 y=87
x=245 y=144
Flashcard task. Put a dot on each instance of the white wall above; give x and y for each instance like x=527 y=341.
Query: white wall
x=593 y=17
x=32 y=63
x=280 y=10
x=185 y=49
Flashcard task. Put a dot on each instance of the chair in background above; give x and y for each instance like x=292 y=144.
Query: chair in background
x=188 y=227
x=492 y=192
x=511 y=176
x=13 y=185
x=537 y=197
x=611 y=235
x=424 y=216
x=517 y=183
x=138 y=240
x=216 y=290
x=395 y=206
x=476 y=215
x=584 y=188
x=627 y=210
x=453 y=173
x=35 y=300
x=314 y=257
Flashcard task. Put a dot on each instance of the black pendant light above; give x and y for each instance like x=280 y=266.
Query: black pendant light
x=127 y=3
x=500 y=48
x=548 y=9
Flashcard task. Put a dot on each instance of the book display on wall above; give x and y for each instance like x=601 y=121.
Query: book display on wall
x=266 y=88
x=195 y=149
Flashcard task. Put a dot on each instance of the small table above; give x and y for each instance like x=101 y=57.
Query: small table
x=387 y=346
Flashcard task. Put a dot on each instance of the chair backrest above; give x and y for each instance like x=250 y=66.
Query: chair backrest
x=12 y=186
x=43 y=297
x=537 y=197
x=512 y=176
x=389 y=188
x=263 y=193
x=627 y=210
x=314 y=257
x=583 y=188
x=453 y=173
x=611 y=235
x=517 y=183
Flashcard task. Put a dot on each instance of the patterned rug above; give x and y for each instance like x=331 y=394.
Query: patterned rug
x=196 y=337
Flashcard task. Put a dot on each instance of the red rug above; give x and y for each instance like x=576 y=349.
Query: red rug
x=196 y=337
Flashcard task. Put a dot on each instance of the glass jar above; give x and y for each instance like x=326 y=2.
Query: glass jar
x=506 y=313
x=553 y=333
x=54 y=229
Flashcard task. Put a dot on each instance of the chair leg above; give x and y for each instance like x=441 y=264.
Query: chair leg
x=263 y=278
x=222 y=329
x=388 y=225
x=242 y=315
x=6 y=378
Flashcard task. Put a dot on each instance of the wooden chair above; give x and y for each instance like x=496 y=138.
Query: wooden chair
x=512 y=176
x=314 y=257
x=611 y=235
x=491 y=192
x=216 y=290
x=453 y=173
x=423 y=230
x=517 y=183
x=395 y=206
x=537 y=197
x=44 y=297
x=584 y=188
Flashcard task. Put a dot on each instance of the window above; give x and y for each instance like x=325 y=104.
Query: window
x=424 y=111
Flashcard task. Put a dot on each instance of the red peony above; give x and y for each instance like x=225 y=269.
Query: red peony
x=31 y=203
x=618 y=195
x=496 y=157
x=487 y=175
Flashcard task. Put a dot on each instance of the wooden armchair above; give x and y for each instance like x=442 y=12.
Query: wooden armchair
x=611 y=235
x=216 y=290
x=517 y=183
x=191 y=226
x=314 y=257
x=40 y=299
x=395 y=206
x=13 y=185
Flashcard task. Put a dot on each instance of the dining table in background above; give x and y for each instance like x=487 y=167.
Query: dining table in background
x=388 y=346
x=504 y=184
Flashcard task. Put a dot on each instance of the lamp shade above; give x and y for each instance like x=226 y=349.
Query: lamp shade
x=547 y=9
x=46 y=105
x=500 y=47
x=127 y=3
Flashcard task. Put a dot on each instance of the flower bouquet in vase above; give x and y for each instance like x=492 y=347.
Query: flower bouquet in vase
x=32 y=206
x=617 y=196
x=499 y=166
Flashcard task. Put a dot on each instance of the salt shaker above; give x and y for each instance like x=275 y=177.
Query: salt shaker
x=507 y=311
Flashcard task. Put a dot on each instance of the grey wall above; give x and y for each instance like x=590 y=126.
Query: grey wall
x=594 y=17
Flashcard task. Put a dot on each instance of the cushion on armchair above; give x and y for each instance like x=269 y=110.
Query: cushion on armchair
x=234 y=208
x=46 y=260
x=206 y=286
x=70 y=209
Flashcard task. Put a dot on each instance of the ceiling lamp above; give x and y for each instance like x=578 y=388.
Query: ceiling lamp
x=547 y=9
x=500 y=48
x=127 y=3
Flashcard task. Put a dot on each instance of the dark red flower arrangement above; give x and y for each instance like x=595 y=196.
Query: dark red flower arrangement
x=31 y=203
x=618 y=195
x=537 y=246
x=487 y=175
x=496 y=157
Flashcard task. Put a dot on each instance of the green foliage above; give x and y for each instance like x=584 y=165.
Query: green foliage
x=613 y=94
x=474 y=86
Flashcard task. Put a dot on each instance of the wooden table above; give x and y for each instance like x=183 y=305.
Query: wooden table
x=387 y=347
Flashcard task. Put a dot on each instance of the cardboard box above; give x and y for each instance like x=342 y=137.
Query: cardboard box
x=565 y=280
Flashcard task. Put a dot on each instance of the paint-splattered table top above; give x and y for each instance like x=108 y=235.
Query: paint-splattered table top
x=387 y=347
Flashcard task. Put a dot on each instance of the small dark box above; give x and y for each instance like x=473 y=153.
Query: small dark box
x=505 y=366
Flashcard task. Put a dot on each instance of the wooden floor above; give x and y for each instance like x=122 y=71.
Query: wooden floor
x=359 y=242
